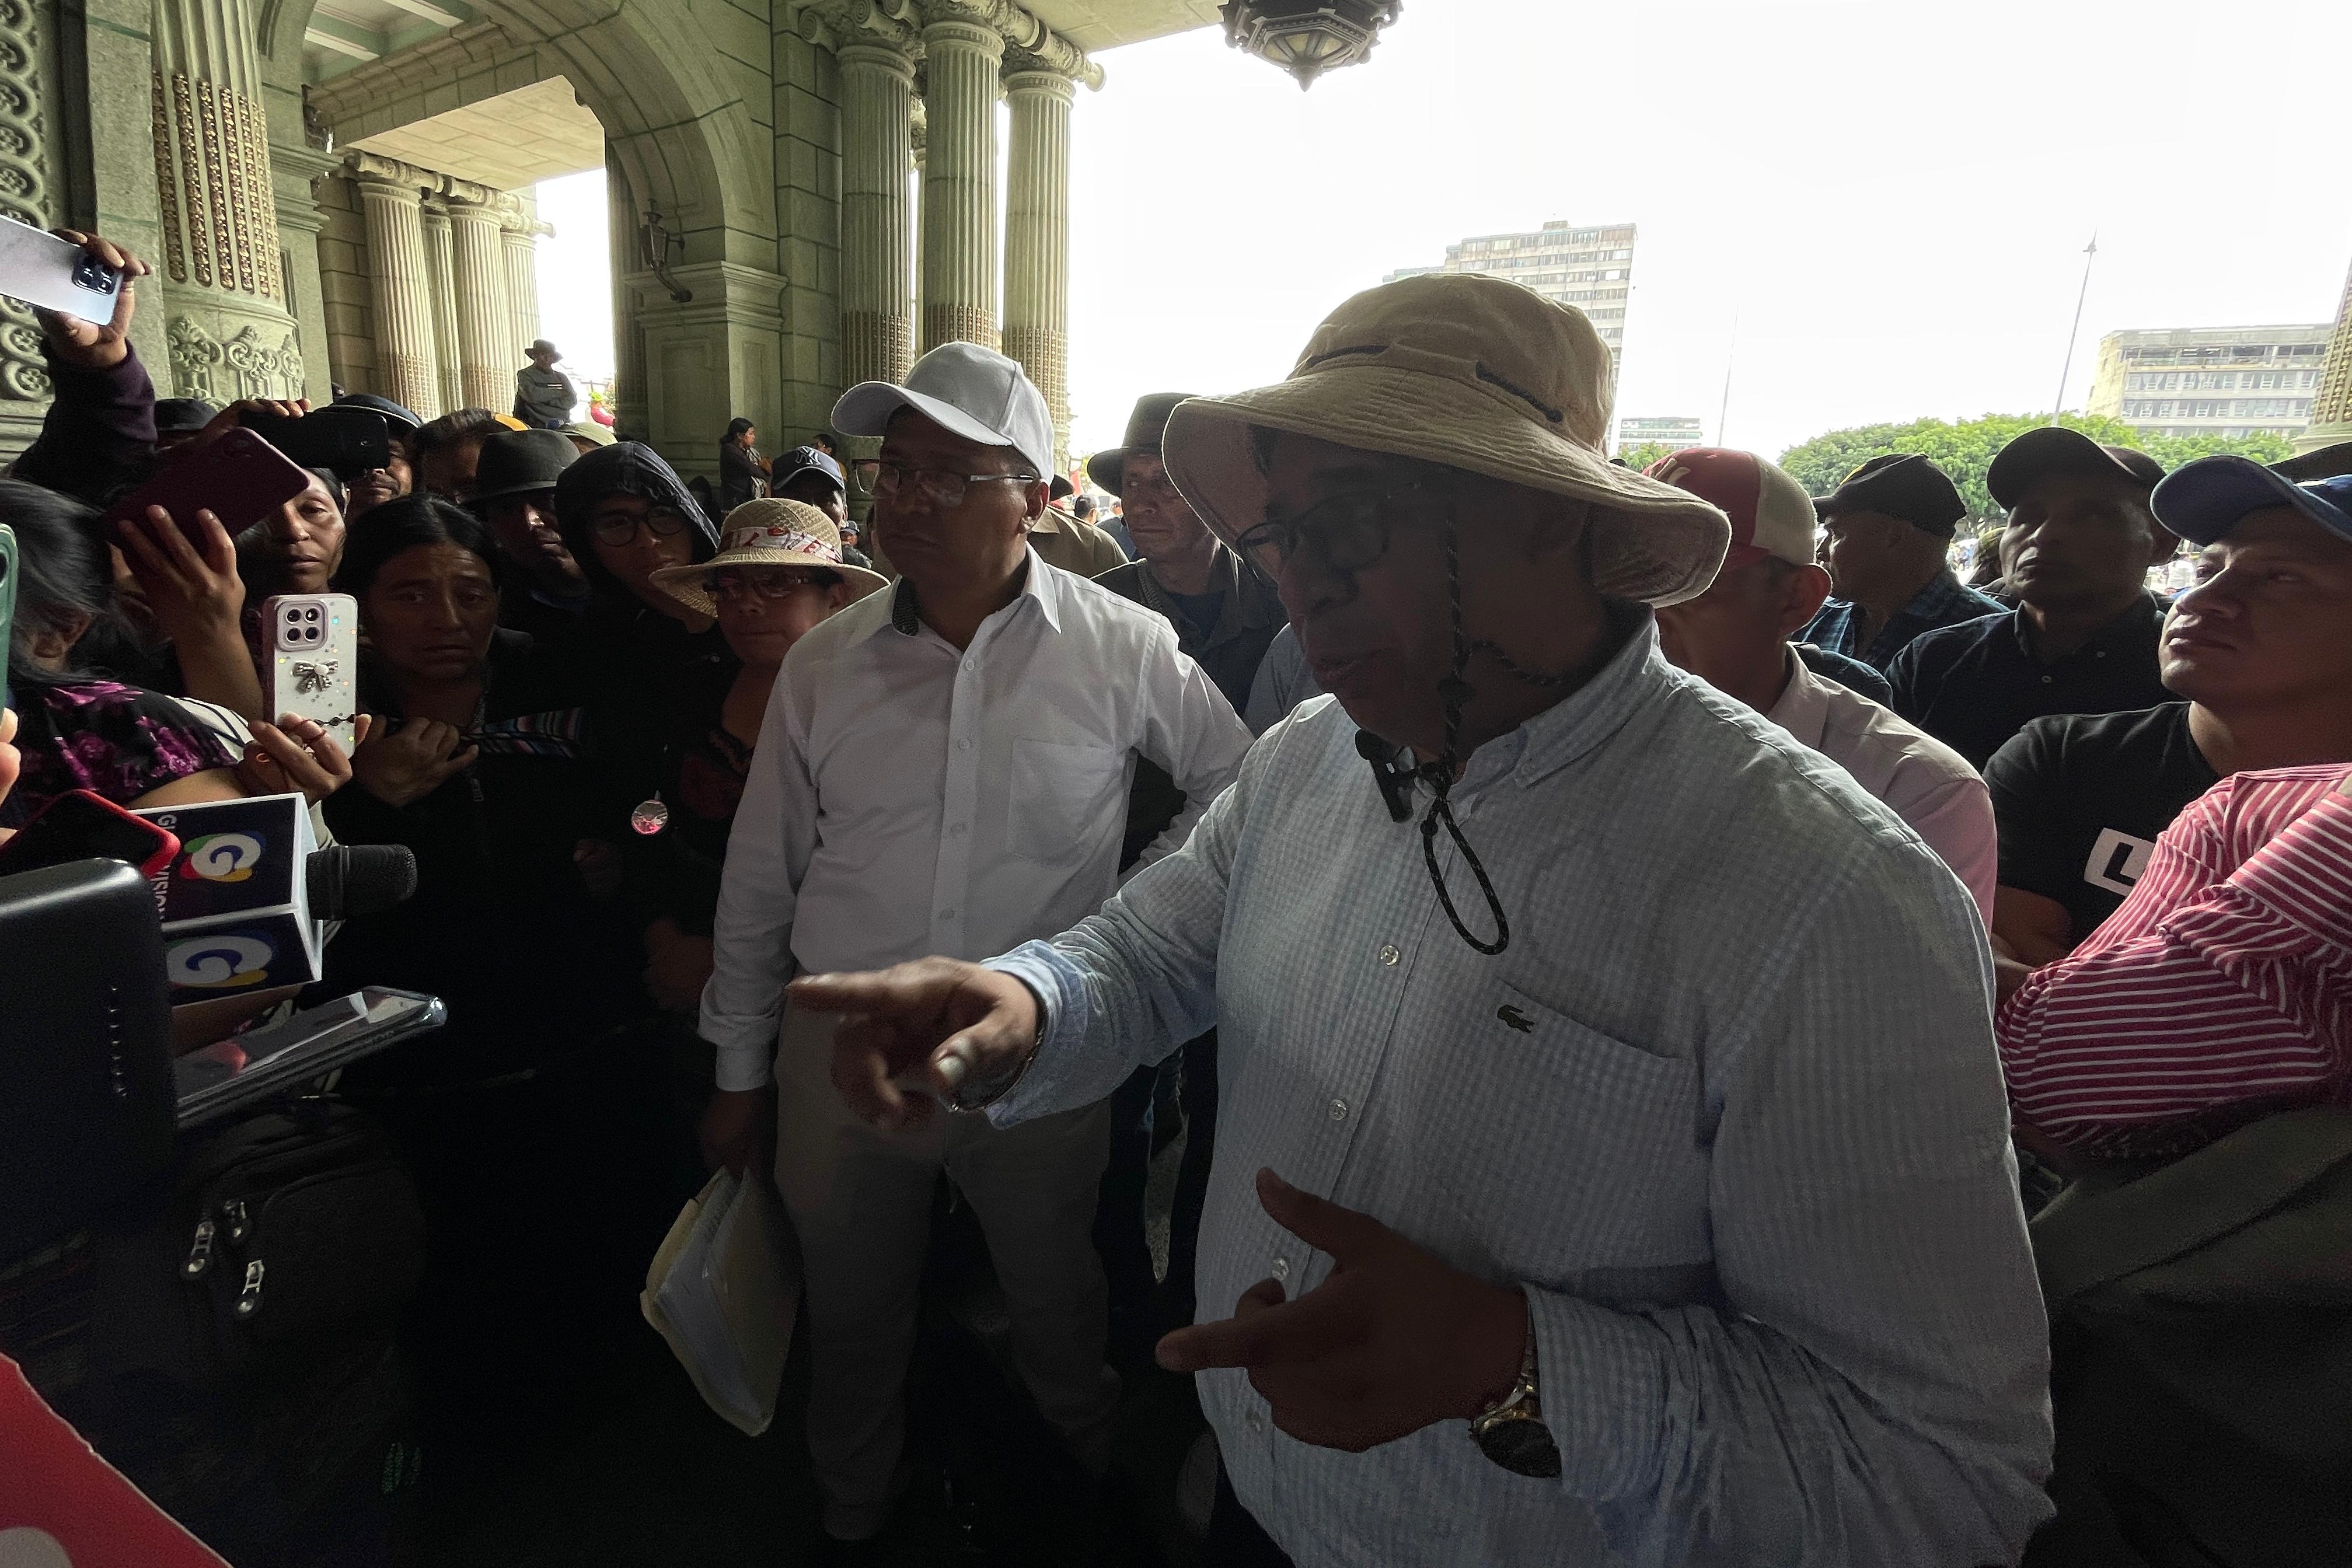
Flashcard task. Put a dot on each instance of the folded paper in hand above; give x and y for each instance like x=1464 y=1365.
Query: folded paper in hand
x=723 y=1289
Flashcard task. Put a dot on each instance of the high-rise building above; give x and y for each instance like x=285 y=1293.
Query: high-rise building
x=1589 y=266
x=1677 y=429
x=2211 y=381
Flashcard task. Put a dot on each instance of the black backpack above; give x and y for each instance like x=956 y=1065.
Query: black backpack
x=2201 y=1356
x=243 y=1365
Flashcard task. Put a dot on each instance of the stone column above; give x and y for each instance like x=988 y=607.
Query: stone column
x=406 y=365
x=443 y=272
x=1037 y=240
x=487 y=361
x=298 y=172
x=959 y=69
x=518 y=233
x=632 y=409
x=223 y=280
x=2331 y=405
x=877 y=337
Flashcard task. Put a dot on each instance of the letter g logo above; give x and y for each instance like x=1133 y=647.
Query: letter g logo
x=218 y=962
x=221 y=857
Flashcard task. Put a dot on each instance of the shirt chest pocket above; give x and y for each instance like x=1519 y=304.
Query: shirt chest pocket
x=1061 y=794
x=1567 y=1150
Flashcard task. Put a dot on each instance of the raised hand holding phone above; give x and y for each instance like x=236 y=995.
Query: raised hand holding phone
x=79 y=287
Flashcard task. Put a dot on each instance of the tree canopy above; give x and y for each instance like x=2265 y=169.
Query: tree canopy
x=1966 y=449
x=1642 y=454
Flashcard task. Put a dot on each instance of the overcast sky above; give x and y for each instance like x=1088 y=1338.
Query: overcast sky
x=1891 y=196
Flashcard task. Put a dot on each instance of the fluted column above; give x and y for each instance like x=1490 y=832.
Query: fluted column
x=223 y=279
x=486 y=359
x=2331 y=405
x=520 y=235
x=405 y=362
x=878 y=335
x=442 y=272
x=960 y=68
x=1037 y=240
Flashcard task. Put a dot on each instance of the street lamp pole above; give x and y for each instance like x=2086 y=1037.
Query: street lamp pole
x=2090 y=255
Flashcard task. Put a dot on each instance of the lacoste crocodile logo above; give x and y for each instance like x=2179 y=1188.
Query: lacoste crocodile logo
x=1516 y=1019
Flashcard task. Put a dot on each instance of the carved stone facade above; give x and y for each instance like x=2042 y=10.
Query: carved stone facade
x=232 y=332
x=25 y=196
x=2331 y=406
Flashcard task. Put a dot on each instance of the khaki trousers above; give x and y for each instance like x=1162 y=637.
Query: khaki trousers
x=861 y=1202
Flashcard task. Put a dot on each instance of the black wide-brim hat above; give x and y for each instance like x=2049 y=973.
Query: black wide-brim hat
x=517 y=462
x=1145 y=427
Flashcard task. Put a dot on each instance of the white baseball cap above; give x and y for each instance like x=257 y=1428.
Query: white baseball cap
x=967 y=391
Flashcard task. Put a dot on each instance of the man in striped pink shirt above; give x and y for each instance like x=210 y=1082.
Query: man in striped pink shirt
x=2220 y=989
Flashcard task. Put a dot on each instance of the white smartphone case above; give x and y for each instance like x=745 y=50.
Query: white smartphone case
x=39 y=268
x=312 y=667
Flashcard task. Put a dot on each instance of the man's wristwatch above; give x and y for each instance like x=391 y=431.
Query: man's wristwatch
x=1511 y=1431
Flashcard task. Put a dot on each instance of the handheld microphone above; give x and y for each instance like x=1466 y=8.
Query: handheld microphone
x=1396 y=783
x=347 y=881
x=243 y=900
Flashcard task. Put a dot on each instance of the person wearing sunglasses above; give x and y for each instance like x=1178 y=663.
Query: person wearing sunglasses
x=944 y=768
x=1613 y=1163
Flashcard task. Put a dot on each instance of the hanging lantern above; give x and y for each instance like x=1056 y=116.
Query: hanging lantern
x=1307 y=37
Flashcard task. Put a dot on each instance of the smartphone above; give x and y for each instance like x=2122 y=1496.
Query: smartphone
x=8 y=608
x=80 y=826
x=239 y=479
x=39 y=268
x=246 y=1070
x=348 y=443
x=312 y=665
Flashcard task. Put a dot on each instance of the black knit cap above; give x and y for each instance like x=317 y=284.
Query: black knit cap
x=1899 y=484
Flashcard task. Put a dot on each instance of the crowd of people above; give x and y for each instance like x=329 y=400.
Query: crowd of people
x=1610 y=1127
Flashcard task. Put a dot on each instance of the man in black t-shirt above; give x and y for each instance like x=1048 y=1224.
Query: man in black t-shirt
x=2262 y=649
x=2079 y=799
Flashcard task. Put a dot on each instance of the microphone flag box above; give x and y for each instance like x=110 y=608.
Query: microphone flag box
x=235 y=904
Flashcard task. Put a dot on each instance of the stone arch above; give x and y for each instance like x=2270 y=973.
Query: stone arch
x=676 y=125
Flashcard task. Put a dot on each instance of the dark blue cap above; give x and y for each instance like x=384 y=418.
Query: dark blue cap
x=800 y=460
x=2202 y=501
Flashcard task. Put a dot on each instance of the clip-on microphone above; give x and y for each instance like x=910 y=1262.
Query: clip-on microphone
x=1396 y=783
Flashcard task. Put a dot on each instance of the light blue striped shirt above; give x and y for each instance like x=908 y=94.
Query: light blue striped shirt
x=1749 y=1159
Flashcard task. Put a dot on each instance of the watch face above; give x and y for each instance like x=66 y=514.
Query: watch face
x=1522 y=1447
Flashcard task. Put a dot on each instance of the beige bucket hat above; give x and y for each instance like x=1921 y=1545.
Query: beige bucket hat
x=1475 y=373
x=771 y=531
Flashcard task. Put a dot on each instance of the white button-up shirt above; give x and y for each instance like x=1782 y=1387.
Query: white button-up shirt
x=1922 y=780
x=908 y=797
x=1727 y=1111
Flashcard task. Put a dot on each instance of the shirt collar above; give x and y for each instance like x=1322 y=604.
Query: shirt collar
x=1581 y=723
x=2137 y=625
x=1803 y=709
x=1040 y=585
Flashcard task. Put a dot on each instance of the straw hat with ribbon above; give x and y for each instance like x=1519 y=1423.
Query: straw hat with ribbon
x=769 y=532
x=1475 y=373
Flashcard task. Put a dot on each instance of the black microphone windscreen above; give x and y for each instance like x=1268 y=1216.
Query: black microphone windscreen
x=347 y=881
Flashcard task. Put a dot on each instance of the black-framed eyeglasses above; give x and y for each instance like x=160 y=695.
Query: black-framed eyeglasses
x=1348 y=533
x=620 y=528
x=728 y=586
x=943 y=490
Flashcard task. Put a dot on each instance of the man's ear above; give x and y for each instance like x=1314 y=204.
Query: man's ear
x=1803 y=593
x=1038 y=497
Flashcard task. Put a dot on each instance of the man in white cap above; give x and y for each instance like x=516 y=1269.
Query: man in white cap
x=1735 y=637
x=1614 y=1167
x=944 y=769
